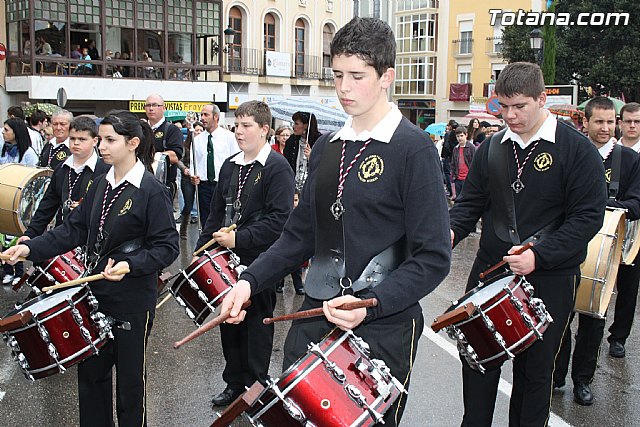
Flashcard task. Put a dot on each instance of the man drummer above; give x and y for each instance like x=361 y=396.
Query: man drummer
x=57 y=150
x=254 y=191
x=71 y=179
x=622 y=174
x=539 y=177
x=381 y=207
x=628 y=275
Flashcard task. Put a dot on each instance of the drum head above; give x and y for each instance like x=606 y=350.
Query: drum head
x=44 y=302
x=481 y=294
x=21 y=189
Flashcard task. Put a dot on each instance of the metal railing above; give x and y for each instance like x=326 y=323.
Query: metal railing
x=462 y=47
x=494 y=45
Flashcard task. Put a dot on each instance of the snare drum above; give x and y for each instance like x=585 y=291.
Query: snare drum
x=60 y=269
x=160 y=165
x=600 y=268
x=507 y=320
x=21 y=189
x=631 y=243
x=200 y=287
x=65 y=329
x=334 y=384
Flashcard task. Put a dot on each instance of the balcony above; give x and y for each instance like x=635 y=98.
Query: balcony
x=462 y=48
x=494 y=46
x=459 y=91
x=253 y=62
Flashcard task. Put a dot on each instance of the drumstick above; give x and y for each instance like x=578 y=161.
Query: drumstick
x=91 y=278
x=165 y=299
x=503 y=262
x=4 y=257
x=212 y=241
x=371 y=302
x=207 y=326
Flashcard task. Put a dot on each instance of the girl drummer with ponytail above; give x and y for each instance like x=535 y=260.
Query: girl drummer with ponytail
x=125 y=222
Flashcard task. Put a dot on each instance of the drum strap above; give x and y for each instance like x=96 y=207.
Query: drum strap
x=233 y=215
x=503 y=210
x=616 y=161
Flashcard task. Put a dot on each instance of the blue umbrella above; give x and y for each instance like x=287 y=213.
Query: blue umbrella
x=437 y=128
x=328 y=118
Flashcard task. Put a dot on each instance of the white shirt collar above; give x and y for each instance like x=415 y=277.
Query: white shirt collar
x=382 y=132
x=90 y=163
x=134 y=176
x=55 y=144
x=261 y=158
x=635 y=147
x=157 y=125
x=547 y=132
x=605 y=150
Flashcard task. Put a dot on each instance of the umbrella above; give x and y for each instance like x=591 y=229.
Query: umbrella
x=616 y=103
x=566 y=110
x=484 y=116
x=45 y=107
x=437 y=128
x=173 y=115
x=328 y=118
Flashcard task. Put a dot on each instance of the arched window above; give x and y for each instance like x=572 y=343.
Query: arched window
x=269 y=32
x=300 y=33
x=235 y=49
x=327 y=36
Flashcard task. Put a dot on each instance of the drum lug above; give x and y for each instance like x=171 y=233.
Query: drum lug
x=465 y=349
x=359 y=343
x=337 y=373
x=356 y=395
x=293 y=410
x=379 y=372
x=93 y=302
x=527 y=287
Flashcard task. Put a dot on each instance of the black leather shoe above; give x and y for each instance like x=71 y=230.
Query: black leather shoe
x=194 y=220
x=300 y=291
x=179 y=219
x=582 y=394
x=279 y=289
x=226 y=397
x=616 y=349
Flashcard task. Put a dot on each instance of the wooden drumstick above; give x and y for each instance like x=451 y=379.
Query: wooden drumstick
x=75 y=282
x=4 y=257
x=371 y=302
x=503 y=262
x=212 y=241
x=207 y=326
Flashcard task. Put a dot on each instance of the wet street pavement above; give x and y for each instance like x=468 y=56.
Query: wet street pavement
x=182 y=382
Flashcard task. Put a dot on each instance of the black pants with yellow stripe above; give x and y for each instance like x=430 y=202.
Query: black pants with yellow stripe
x=533 y=369
x=127 y=353
x=396 y=344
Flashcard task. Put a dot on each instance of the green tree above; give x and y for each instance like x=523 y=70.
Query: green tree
x=516 y=45
x=550 y=51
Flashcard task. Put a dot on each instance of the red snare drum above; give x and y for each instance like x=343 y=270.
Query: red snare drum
x=200 y=287
x=66 y=329
x=335 y=384
x=506 y=321
x=60 y=269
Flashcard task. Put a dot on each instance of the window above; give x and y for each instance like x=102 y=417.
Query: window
x=376 y=9
x=18 y=42
x=269 y=32
x=417 y=33
x=464 y=74
x=208 y=44
x=415 y=75
x=300 y=33
x=235 y=52
x=466 y=37
x=416 y=4
x=327 y=37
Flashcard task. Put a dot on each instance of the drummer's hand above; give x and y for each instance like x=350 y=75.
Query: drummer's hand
x=233 y=300
x=194 y=259
x=186 y=172
x=74 y=205
x=307 y=151
x=522 y=264
x=110 y=268
x=344 y=319
x=195 y=179
x=453 y=237
x=23 y=239
x=224 y=238
x=16 y=251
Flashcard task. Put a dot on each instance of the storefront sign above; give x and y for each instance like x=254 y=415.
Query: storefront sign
x=278 y=64
x=138 y=106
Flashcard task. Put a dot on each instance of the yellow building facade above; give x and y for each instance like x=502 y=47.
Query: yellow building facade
x=472 y=53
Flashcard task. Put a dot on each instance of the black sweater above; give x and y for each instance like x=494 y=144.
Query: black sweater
x=51 y=157
x=272 y=195
x=405 y=199
x=568 y=186
x=628 y=196
x=57 y=194
x=149 y=216
x=169 y=138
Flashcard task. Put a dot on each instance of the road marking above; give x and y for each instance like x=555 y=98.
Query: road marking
x=2 y=393
x=504 y=386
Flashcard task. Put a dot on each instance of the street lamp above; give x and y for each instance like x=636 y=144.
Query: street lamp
x=537 y=44
x=229 y=35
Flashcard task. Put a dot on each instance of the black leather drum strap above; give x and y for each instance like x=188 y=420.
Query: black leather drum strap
x=616 y=161
x=503 y=207
x=328 y=266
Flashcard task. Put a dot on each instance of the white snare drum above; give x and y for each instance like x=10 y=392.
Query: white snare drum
x=598 y=272
x=160 y=166
x=631 y=243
